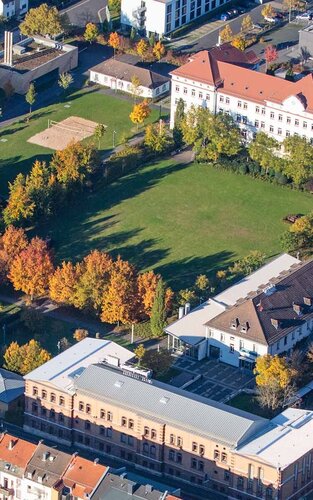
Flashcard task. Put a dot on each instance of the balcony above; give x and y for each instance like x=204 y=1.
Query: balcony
x=6 y=492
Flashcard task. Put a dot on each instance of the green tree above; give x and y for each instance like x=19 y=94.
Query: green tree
x=133 y=34
x=298 y=160
x=65 y=80
x=158 y=361
x=152 y=39
x=263 y=149
x=99 y=132
x=178 y=119
x=202 y=283
x=115 y=6
x=158 y=311
x=226 y=34
x=248 y=264
x=43 y=20
x=91 y=32
x=139 y=353
x=156 y=138
x=187 y=295
x=30 y=96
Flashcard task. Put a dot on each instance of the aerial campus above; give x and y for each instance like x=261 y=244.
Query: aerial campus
x=156 y=249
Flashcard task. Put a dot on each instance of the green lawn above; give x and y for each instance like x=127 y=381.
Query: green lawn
x=17 y=155
x=248 y=402
x=181 y=220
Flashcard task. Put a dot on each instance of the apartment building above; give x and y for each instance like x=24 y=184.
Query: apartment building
x=10 y=8
x=164 y=16
x=191 y=335
x=256 y=101
x=185 y=437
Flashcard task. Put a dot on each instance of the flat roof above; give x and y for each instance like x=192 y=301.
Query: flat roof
x=168 y=404
x=287 y=438
x=11 y=386
x=64 y=369
x=191 y=328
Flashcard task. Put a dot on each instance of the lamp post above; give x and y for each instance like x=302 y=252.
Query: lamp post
x=114 y=134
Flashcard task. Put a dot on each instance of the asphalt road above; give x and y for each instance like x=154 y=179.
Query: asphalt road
x=86 y=11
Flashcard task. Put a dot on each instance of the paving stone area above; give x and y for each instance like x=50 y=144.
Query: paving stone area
x=218 y=381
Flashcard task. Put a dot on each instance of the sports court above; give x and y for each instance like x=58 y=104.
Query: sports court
x=58 y=135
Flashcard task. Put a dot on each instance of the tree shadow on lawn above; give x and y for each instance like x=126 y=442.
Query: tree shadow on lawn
x=9 y=169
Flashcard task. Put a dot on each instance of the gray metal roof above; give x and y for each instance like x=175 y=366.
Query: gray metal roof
x=166 y=403
x=11 y=386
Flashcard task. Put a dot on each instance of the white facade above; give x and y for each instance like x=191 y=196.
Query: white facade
x=276 y=120
x=164 y=16
x=13 y=8
x=126 y=86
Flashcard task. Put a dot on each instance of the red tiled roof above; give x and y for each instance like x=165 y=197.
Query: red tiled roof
x=21 y=452
x=82 y=476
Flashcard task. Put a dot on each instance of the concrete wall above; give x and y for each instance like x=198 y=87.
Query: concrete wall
x=20 y=81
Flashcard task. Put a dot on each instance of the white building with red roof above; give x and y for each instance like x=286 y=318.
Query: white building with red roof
x=257 y=101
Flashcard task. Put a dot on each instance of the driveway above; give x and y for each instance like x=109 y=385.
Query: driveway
x=85 y=12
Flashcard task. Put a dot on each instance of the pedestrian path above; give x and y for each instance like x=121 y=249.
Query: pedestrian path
x=196 y=34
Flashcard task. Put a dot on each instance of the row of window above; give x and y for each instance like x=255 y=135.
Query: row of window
x=52 y=397
x=105 y=415
x=193 y=93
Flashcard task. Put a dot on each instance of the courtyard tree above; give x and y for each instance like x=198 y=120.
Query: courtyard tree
x=247 y=24
x=298 y=159
x=80 y=334
x=263 y=149
x=25 y=358
x=115 y=6
x=270 y=55
x=158 y=310
x=30 y=96
x=140 y=113
x=114 y=41
x=99 y=132
x=142 y=48
x=133 y=34
x=20 y=206
x=300 y=234
x=91 y=32
x=139 y=352
x=147 y=284
x=152 y=39
x=43 y=20
x=31 y=269
x=239 y=42
x=187 y=295
x=268 y=11
x=159 y=361
x=120 y=301
x=65 y=80
x=226 y=34
x=202 y=284
x=159 y=50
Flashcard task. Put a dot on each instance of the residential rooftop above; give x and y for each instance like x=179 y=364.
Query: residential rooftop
x=62 y=370
x=83 y=476
x=287 y=439
x=274 y=311
x=15 y=454
x=165 y=403
x=192 y=327
x=47 y=465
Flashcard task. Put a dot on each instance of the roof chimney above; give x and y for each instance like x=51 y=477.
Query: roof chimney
x=96 y=461
x=181 y=312
x=11 y=444
x=131 y=487
x=148 y=488
x=307 y=301
x=45 y=456
x=275 y=322
x=234 y=323
x=187 y=307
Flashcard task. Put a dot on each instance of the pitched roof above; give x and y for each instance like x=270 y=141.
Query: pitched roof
x=11 y=386
x=188 y=411
x=124 y=71
x=47 y=465
x=284 y=302
x=82 y=476
x=234 y=79
x=15 y=451
x=62 y=370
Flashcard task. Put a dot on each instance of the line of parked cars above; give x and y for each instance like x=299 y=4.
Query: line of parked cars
x=230 y=14
x=305 y=16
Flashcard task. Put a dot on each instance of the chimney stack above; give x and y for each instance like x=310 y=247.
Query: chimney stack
x=11 y=444
x=181 y=312
x=187 y=308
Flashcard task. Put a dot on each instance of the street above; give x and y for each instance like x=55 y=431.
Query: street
x=85 y=12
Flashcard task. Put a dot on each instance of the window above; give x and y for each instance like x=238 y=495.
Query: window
x=244 y=119
x=231 y=348
x=271 y=128
x=201 y=466
x=305 y=125
x=257 y=123
x=61 y=417
x=43 y=394
x=171 y=455
x=239 y=104
x=238 y=118
x=207 y=97
x=200 y=95
x=130 y=440
x=194 y=447
x=179 y=458
x=34 y=408
x=124 y=437
x=224 y=458
x=272 y=115
x=172 y=439
x=124 y=422
x=297 y=123
x=35 y=391
x=245 y=105
x=263 y=111
x=201 y=449
x=193 y=463
x=277 y=346
x=109 y=432
x=61 y=401
x=240 y=482
x=87 y=425
x=101 y=430
x=193 y=92
x=262 y=124
x=287 y=133
x=102 y=413
x=179 y=441
x=43 y=411
x=177 y=88
x=221 y=98
x=52 y=397
x=152 y=450
x=81 y=406
x=226 y=475
x=257 y=109
x=110 y=416
x=52 y=414
x=146 y=431
x=280 y=118
x=216 y=455
x=285 y=340
x=130 y=424
x=87 y=441
x=288 y=119
x=88 y=409
x=279 y=131
x=185 y=90
x=153 y=434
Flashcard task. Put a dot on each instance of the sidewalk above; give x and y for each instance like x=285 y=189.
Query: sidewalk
x=196 y=34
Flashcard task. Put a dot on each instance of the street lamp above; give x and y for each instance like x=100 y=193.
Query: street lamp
x=114 y=134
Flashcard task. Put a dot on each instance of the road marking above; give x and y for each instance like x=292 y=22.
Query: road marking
x=74 y=6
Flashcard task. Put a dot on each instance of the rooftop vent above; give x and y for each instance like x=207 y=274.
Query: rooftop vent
x=187 y=308
x=275 y=322
x=119 y=383
x=45 y=456
x=245 y=327
x=307 y=301
x=164 y=400
x=234 y=323
x=11 y=444
x=148 y=488
x=181 y=312
x=7 y=466
x=131 y=487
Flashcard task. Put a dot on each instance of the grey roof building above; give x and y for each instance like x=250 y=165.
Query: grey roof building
x=11 y=386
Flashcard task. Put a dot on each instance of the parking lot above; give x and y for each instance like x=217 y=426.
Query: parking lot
x=217 y=381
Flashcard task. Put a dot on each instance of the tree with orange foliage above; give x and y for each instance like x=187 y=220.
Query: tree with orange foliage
x=114 y=41
x=31 y=269
x=159 y=50
x=147 y=283
x=62 y=283
x=120 y=301
x=142 y=48
x=93 y=280
x=140 y=112
x=74 y=163
x=12 y=242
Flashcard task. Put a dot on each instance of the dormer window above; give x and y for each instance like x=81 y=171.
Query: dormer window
x=297 y=308
x=234 y=323
x=245 y=327
x=307 y=301
x=275 y=322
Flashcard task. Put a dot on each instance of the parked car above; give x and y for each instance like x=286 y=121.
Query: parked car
x=225 y=16
x=272 y=20
x=229 y=15
x=304 y=16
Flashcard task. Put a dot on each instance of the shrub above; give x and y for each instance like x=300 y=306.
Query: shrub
x=243 y=169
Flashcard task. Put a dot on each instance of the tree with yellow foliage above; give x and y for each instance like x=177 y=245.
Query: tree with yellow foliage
x=31 y=269
x=20 y=206
x=91 y=32
x=274 y=381
x=239 y=42
x=159 y=50
x=140 y=113
x=268 y=11
x=226 y=34
x=247 y=24
x=142 y=48
x=62 y=283
x=114 y=41
x=23 y=359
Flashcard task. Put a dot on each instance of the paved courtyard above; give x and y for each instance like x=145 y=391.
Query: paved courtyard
x=218 y=381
